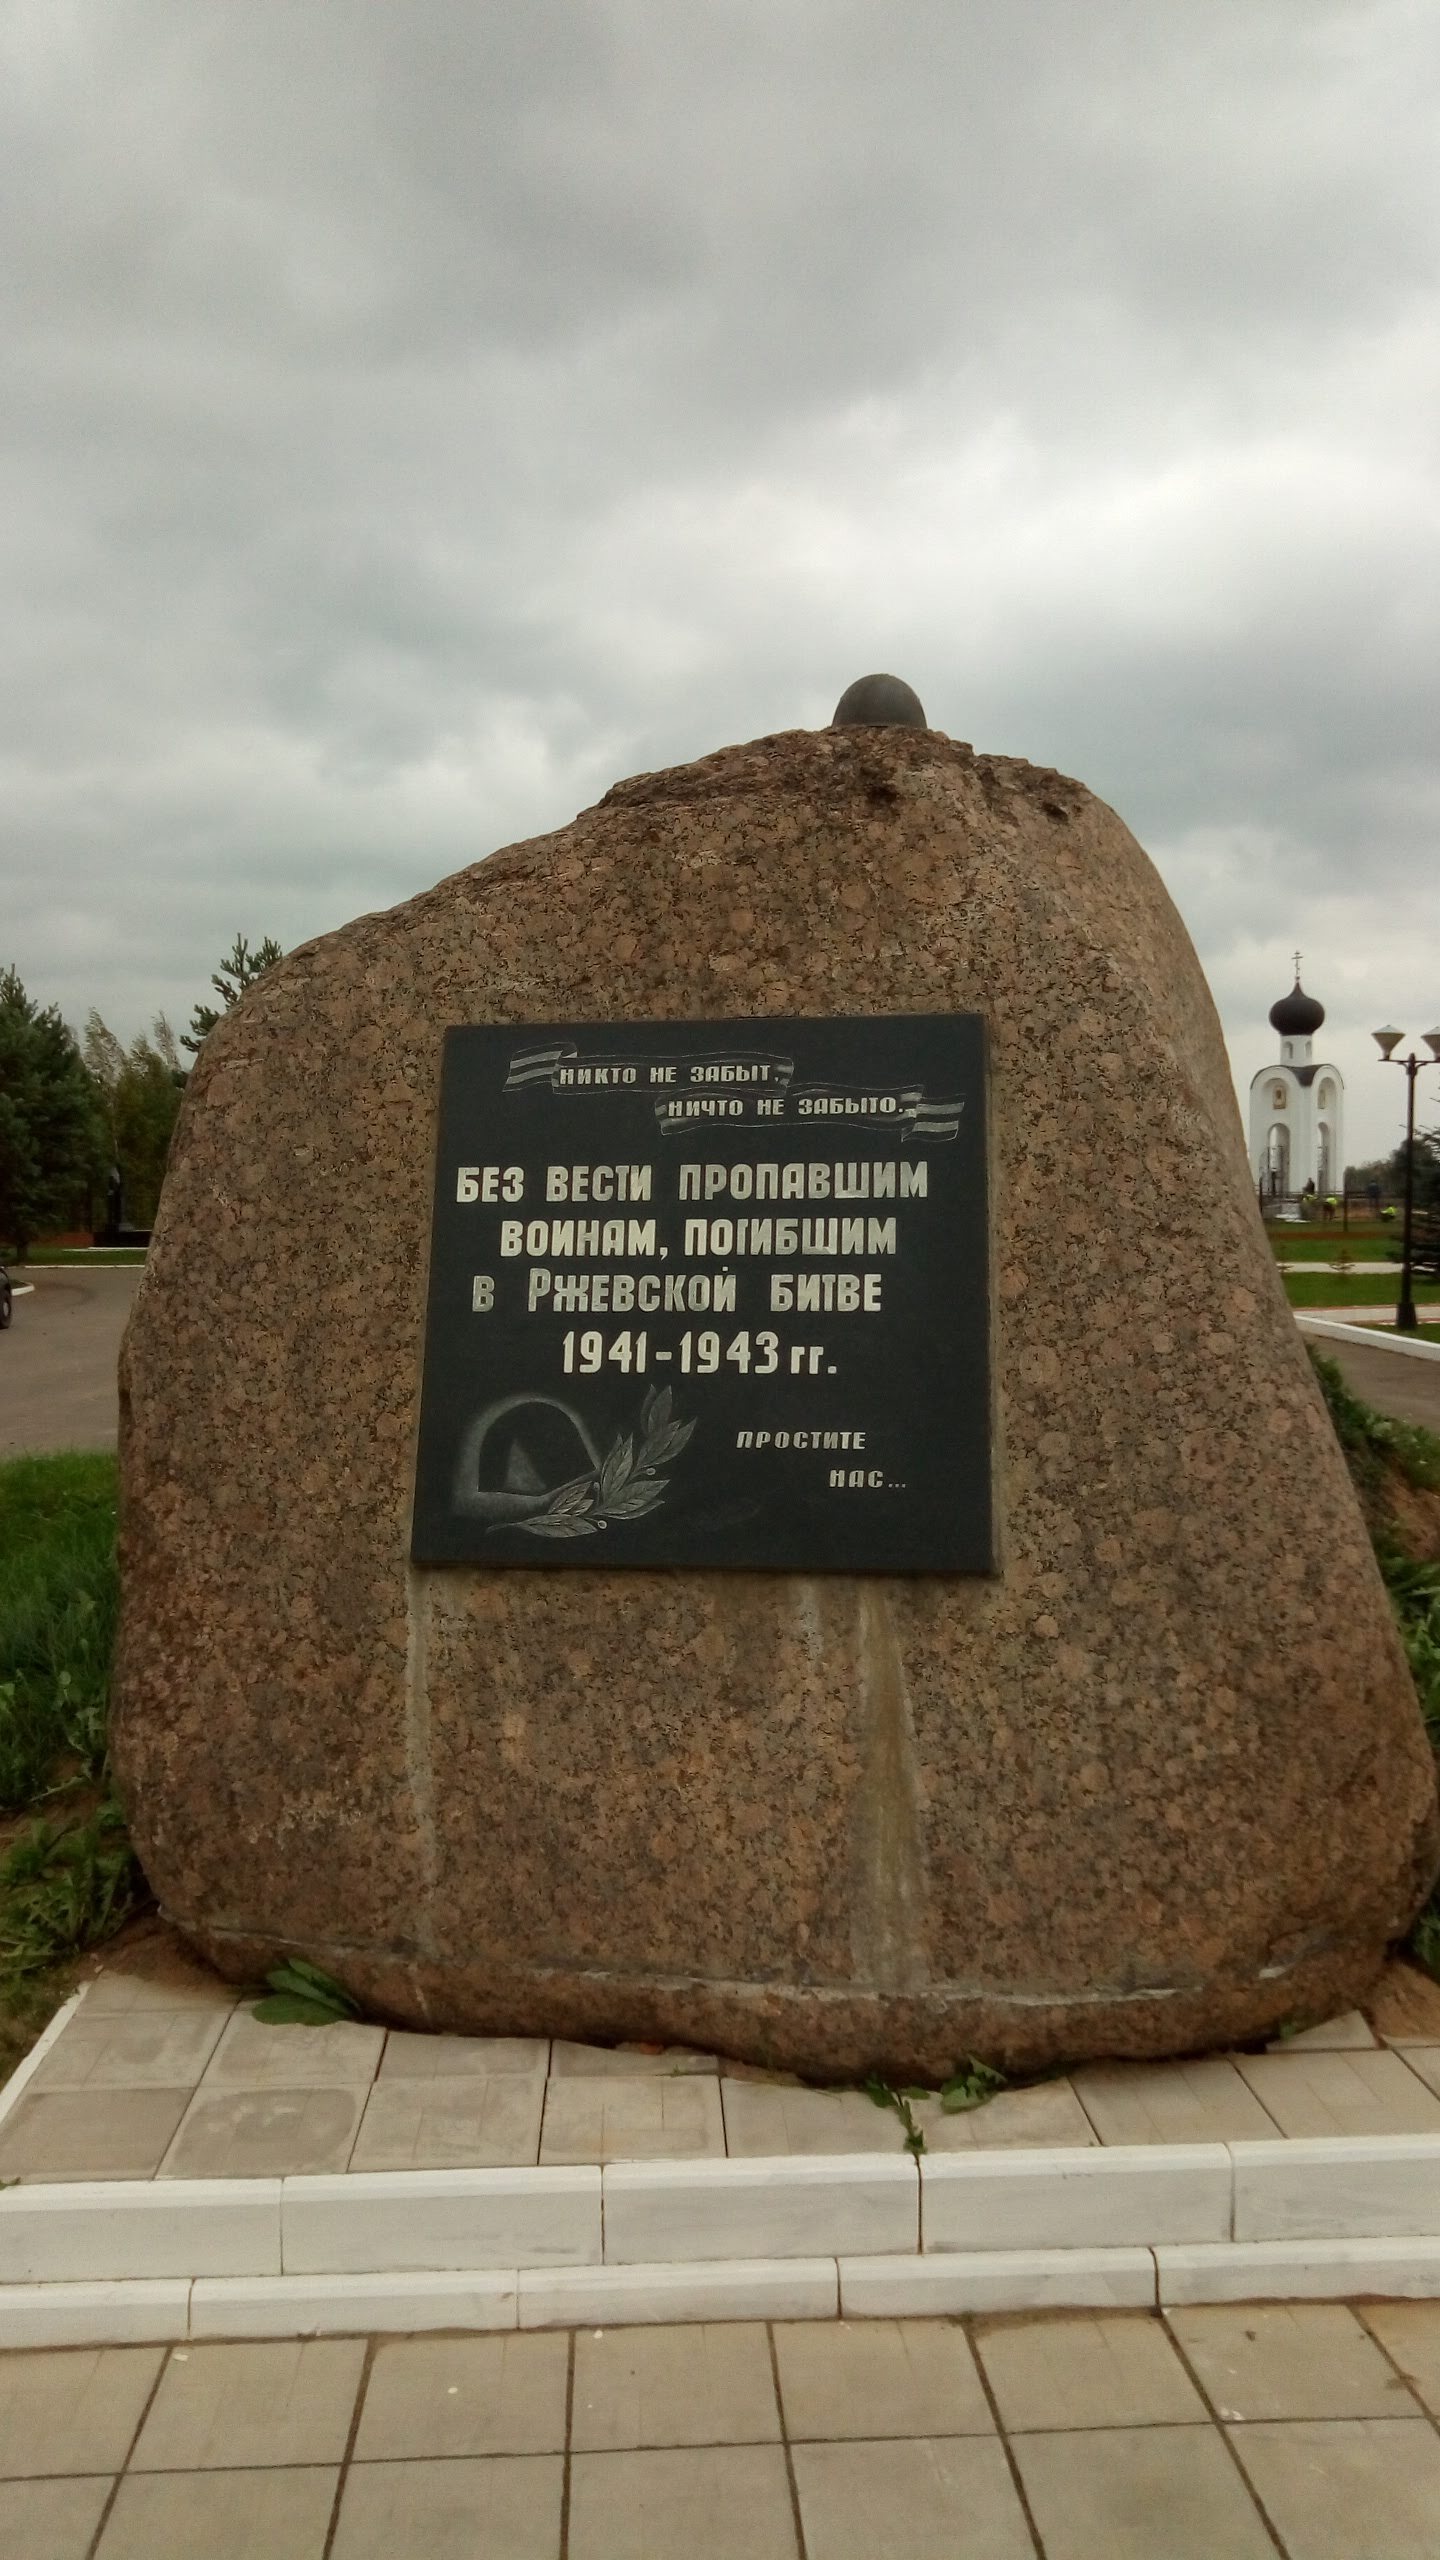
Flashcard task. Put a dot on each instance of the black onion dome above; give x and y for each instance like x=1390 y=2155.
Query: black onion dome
x=1296 y=1015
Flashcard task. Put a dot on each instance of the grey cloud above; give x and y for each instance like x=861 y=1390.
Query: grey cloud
x=419 y=416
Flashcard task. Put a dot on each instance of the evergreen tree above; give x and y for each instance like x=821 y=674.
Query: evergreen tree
x=103 y=1055
x=53 y=1136
x=237 y=971
x=1427 y=1172
x=1359 y=1177
x=142 y=1088
x=1388 y=1172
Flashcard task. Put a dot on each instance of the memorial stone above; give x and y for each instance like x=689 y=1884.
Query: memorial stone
x=713 y=1452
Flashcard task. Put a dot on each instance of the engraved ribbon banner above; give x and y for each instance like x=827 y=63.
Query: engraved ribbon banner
x=564 y=1070
x=734 y=1086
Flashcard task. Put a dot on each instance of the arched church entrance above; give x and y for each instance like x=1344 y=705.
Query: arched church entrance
x=1277 y=1161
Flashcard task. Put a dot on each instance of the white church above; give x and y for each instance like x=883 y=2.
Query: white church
x=1297 y=1107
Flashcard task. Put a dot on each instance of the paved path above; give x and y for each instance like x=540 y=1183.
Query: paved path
x=1222 y=2433
x=209 y=2093
x=1378 y=1313
x=57 y=1361
x=1408 y=1389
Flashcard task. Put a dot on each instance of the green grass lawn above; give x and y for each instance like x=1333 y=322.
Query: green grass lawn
x=1327 y=1244
x=53 y=1253
x=1352 y=1289
x=68 y=1878
x=1378 y=1452
x=57 y=1619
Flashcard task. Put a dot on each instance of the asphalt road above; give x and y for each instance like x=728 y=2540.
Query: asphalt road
x=1408 y=1389
x=57 y=1361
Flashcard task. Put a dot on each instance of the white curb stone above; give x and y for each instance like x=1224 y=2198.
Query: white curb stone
x=131 y=2229
x=104 y=2261
x=1387 y=1341
x=1131 y=2196
x=1344 y=2188
x=93 y=2315
x=351 y=2306
x=1300 y=2271
x=996 y=2280
x=830 y=2206
x=734 y=2289
x=396 y=2221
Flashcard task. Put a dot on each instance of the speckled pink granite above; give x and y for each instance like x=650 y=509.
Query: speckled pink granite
x=1160 y=1784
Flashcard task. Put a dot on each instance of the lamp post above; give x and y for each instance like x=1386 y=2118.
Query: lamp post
x=1386 y=1042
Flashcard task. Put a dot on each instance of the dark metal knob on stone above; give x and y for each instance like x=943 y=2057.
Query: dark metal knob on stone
x=879 y=702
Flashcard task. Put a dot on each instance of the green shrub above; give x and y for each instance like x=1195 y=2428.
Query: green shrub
x=64 y=1886
x=69 y=1880
x=1373 y=1441
x=1376 y=1446
x=58 y=1597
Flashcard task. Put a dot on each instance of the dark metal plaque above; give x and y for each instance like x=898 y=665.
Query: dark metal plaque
x=710 y=1293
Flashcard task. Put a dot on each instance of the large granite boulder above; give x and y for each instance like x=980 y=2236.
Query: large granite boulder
x=1158 y=1783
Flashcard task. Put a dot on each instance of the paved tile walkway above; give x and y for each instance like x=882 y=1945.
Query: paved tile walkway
x=178 y=2080
x=1408 y=1389
x=58 y=1391
x=1215 y=2434
x=1381 y=1312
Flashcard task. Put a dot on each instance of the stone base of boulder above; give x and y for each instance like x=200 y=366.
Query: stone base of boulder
x=825 y=2033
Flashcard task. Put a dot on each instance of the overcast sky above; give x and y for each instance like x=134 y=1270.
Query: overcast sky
x=420 y=413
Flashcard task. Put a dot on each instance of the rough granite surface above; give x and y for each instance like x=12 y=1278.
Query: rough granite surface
x=1159 y=1784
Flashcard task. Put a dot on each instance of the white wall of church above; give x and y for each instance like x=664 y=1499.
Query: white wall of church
x=1297 y=1129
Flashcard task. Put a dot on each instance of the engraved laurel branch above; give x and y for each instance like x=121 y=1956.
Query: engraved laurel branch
x=625 y=1485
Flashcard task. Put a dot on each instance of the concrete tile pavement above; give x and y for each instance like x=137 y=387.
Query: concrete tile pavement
x=1205 y=2101
x=632 y=2119
x=451 y=2122
x=146 y=2049
x=1347 y=2489
x=262 y=2133
x=182 y=2081
x=241 y=2407
x=227 y=2515
x=1409 y=2332
x=61 y=2134
x=80 y=2410
x=1309 y=2094
x=880 y=2378
x=507 y=2508
x=1306 y=2430
x=1136 y=2493
x=639 y=2388
x=893 y=2500
x=448 y=2398
x=1260 y=2360
x=1096 y=2370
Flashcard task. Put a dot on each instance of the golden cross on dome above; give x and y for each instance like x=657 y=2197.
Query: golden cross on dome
x=1297 y=968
